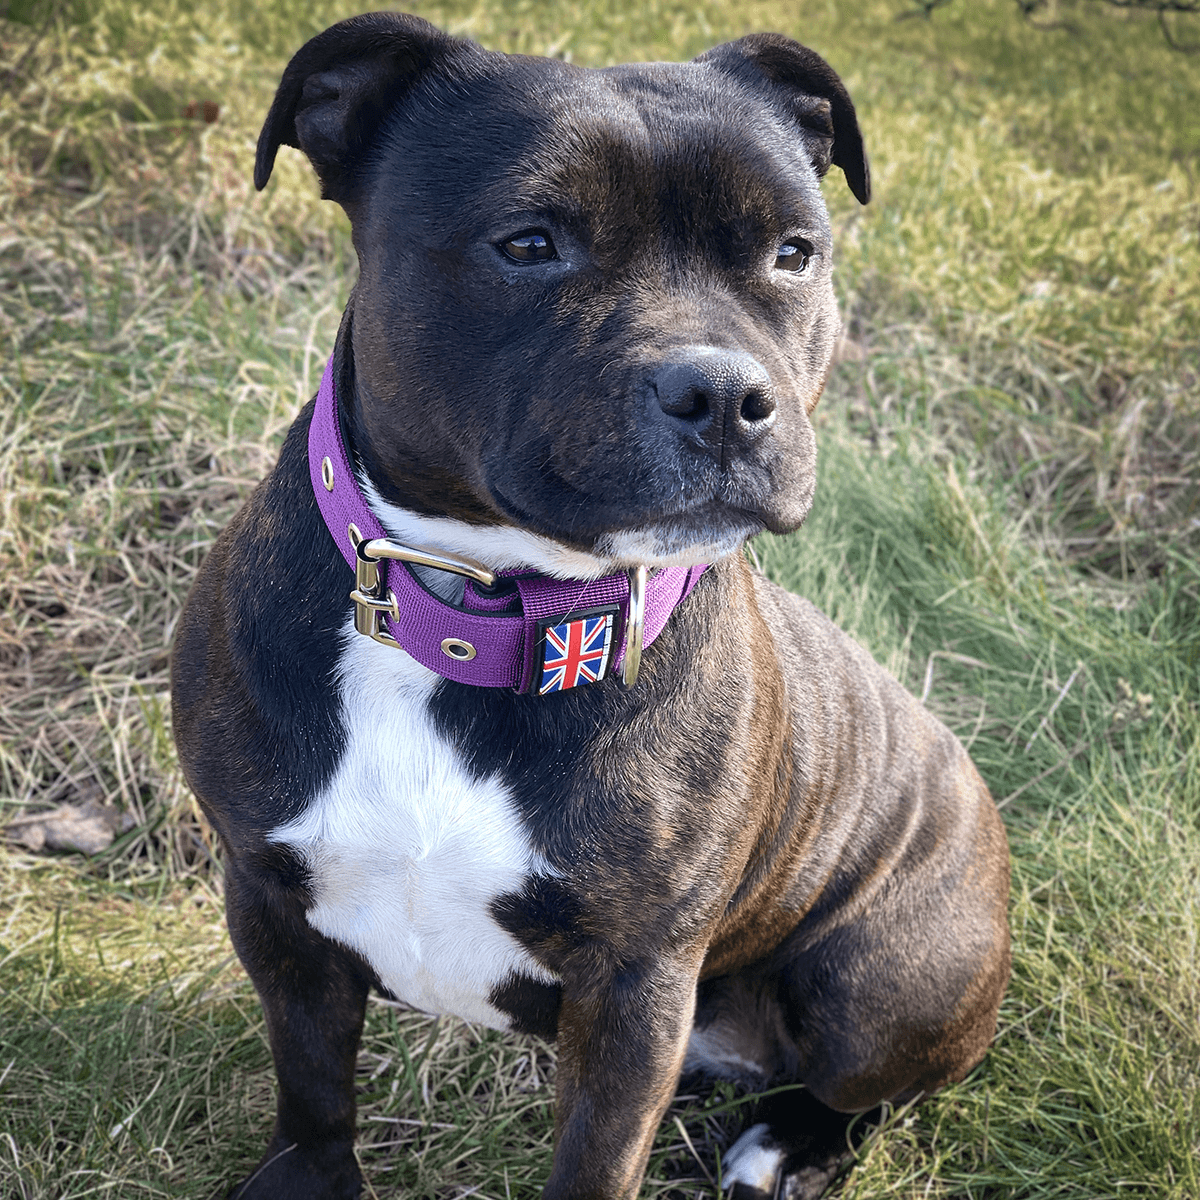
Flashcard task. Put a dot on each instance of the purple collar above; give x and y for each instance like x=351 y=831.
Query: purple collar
x=520 y=630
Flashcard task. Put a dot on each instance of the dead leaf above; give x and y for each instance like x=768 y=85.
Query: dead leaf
x=206 y=110
x=86 y=828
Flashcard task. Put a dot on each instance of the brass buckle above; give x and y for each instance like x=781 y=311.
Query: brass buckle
x=635 y=627
x=370 y=604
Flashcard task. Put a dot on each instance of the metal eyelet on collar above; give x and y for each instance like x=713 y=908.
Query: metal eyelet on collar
x=457 y=649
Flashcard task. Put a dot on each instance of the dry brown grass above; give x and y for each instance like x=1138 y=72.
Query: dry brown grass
x=157 y=343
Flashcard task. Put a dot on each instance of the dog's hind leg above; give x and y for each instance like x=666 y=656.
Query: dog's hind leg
x=795 y=1150
x=885 y=1005
x=796 y=1146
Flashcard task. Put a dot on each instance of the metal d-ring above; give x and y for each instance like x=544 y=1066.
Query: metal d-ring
x=635 y=627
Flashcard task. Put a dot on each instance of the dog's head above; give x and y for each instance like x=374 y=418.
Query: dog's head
x=594 y=305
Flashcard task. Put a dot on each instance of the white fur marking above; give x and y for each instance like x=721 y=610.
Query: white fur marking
x=752 y=1161
x=665 y=544
x=407 y=849
x=503 y=547
x=706 y=1052
x=500 y=547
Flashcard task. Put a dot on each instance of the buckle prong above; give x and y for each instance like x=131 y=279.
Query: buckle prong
x=441 y=560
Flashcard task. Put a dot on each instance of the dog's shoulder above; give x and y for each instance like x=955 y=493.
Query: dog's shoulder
x=256 y=648
x=903 y=781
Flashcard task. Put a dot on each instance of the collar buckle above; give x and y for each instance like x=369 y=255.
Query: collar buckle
x=370 y=602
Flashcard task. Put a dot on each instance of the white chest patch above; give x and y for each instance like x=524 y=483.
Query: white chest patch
x=407 y=849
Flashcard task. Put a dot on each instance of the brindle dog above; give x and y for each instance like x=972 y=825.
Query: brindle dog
x=593 y=316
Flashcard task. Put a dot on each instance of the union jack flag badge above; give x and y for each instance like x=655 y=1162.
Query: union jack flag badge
x=576 y=649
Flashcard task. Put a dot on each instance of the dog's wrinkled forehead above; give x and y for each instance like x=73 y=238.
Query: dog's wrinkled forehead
x=363 y=82
x=669 y=146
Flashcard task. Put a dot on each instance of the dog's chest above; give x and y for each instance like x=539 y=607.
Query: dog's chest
x=407 y=850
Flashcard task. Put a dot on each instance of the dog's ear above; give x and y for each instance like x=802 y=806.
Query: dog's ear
x=338 y=88
x=812 y=94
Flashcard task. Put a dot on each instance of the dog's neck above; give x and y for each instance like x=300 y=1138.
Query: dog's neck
x=501 y=547
x=567 y=608
x=426 y=507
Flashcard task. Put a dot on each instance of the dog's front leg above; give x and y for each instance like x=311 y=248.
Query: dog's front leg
x=314 y=996
x=621 y=1040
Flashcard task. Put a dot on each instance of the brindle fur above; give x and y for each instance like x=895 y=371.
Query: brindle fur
x=767 y=840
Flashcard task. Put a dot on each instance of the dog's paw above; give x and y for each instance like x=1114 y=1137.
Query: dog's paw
x=289 y=1174
x=809 y=1183
x=764 y=1165
x=751 y=1167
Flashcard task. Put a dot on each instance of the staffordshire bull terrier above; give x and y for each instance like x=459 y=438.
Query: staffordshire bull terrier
x=479 y=691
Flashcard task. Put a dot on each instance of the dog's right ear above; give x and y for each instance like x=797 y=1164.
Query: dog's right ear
x=338 y=88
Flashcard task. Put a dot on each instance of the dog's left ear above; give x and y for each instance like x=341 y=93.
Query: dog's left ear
x=809 y=90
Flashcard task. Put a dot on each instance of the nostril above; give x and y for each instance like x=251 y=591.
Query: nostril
x=685 y=392
x=757 y=406
x=714 y=395
x=690 y=404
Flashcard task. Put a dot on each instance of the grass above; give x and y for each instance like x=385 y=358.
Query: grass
x=1008 y=516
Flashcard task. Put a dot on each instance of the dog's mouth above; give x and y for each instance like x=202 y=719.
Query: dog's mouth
x=698 y=533
x=649 y=495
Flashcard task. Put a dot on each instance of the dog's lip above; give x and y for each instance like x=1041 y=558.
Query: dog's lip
x=708 y=518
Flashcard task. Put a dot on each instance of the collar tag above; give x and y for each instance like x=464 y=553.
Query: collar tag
x=576 y=648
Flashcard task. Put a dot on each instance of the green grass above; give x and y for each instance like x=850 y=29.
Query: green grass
x=1008 y=515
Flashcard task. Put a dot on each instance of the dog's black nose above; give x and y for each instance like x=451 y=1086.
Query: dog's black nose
x=723 y=397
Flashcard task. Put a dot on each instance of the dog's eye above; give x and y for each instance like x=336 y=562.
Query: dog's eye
x=531 y=245
x=793 y=255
